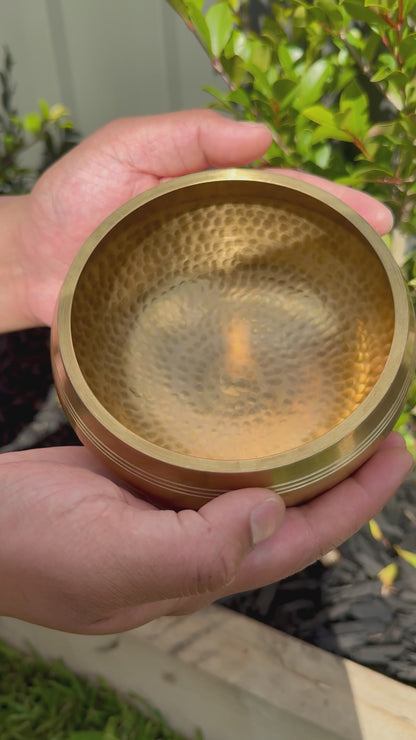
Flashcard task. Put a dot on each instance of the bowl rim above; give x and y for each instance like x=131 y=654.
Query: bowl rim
x=335 y=435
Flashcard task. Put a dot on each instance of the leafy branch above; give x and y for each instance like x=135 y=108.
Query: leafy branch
x=335 y=80
x=49 y=128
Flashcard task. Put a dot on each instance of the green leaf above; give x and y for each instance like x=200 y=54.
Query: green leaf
x=220 y=96
x=16 y=122
x=385 y=6
x=283 y=91
x=360 y=12
x=241 y=97
x=200 y=26
x=408 y=6
x=321 y=155
x=236 y=70
x=365 y=173
x=371 y=47
x=260 y=81
x=44 y=109
x=321 y=115
x=9 y=142
x=180 y=8
x=333 y=14
x=32 y=123
x=330 y=132
x=381 y=74
x=312 y=84
x=375 y=530
x=303 y=137
x=354 y=106
x=261 y=56
x=288 y=55
x=58 y=111
x=409 y=557
x=408 y=44
x=238 y=45
x=388 y=574
x=220 y=22
x=407 y=50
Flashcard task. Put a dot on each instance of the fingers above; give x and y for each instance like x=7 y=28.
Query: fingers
x=176 y=144
x=393 y=440
x=313 y=529
x=164 y=555
x=213 y=557
x=377 y=215
x=307 y=532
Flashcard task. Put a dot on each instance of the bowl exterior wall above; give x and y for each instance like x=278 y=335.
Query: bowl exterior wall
x=169 y=486
x=170 y=480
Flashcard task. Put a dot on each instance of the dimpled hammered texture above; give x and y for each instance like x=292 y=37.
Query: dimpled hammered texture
x=230 y=329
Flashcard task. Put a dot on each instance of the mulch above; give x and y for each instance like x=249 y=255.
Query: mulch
x=342 y=606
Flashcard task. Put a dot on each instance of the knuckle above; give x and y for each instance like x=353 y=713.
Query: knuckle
x=215 y=564
x=218 y=572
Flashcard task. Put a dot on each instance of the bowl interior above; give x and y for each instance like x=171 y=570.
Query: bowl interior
x=232 y=320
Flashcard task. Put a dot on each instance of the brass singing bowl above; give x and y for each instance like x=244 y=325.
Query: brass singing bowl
x=231 y=329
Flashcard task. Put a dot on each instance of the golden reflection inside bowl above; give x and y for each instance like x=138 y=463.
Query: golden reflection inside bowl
x=232 y=329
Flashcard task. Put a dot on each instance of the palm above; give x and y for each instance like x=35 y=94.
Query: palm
x=65 y=533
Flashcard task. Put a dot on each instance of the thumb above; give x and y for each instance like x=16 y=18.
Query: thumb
x=175 y=144
x=167 y=554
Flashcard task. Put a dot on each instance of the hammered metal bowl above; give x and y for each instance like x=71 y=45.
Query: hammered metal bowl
x=229 y=329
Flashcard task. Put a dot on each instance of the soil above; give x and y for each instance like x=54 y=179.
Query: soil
x=339 y=604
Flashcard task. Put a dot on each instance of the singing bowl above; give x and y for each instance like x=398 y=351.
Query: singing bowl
x=229 y=329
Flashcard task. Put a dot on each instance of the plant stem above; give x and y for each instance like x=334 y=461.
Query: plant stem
x=217 y=66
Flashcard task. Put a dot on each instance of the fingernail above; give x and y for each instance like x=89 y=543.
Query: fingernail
x=265 y=519
x=255 y=124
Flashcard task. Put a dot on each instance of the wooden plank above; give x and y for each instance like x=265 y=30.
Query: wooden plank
x=236 y=678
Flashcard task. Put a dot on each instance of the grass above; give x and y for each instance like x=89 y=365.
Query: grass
x=46 y=701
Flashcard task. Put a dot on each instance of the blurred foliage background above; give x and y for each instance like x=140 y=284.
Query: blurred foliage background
x=31 y=142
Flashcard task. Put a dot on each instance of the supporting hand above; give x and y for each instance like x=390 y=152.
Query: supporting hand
x=79 y=553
